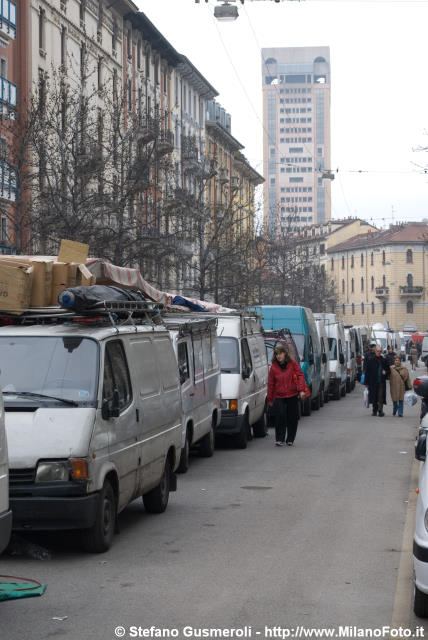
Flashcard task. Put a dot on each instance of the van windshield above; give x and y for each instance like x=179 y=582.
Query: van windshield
x=332 y=345
x=299 y=339
x=65 y=368
x=229 y=355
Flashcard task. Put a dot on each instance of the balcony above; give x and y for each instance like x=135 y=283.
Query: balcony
x=410 y=291
x=8 y=18
x=382 y=292
x=147 y=130
x=8 y=94
x=223 y=176
x=8 y=183
x=165 y=143
x=190 y=155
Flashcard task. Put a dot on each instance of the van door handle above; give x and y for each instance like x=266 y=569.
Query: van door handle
x=191 y=394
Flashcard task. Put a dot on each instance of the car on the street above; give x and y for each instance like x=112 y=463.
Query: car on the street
x=420 y=538
x=5 y=512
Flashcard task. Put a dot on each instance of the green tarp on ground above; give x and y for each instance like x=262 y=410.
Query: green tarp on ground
x=11 y=590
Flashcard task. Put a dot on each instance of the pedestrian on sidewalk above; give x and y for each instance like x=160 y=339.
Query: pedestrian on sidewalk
x=414 y=356
x=286 y=383
x=399 y=382
x=376 y=374
x=390 y=356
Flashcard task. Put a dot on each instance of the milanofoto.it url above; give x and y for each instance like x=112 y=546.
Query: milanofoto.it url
x=343 y=631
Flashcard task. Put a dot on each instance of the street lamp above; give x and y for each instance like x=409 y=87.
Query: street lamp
x=226 y=12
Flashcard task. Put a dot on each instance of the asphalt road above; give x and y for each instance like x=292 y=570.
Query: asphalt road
x=314 y=536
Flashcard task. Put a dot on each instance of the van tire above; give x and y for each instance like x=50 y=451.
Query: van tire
x=337 y=392
x=316 y=403
x=306 y=407
x=420 y=603
x=156 y=500
x=207 y=444
x=322 y=394
x=183 y=465
x=326 y=396
x=260 y=429
x=99 y=537
x=343 y=391
x=241 y=438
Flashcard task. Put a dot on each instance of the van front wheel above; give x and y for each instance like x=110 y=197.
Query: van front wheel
x=99 y=537
x=156 y=500
x=207 y=444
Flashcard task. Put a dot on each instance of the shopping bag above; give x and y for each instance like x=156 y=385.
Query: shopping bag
x=366 y=398
x=362 y=378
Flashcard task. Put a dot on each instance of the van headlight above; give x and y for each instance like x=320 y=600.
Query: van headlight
x=57 y=471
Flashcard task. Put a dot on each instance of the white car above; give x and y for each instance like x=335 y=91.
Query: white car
x=420 y=539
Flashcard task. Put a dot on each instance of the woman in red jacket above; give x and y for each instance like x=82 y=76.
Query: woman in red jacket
x=286 y=382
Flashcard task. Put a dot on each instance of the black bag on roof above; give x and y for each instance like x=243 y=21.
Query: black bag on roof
x=84 y=298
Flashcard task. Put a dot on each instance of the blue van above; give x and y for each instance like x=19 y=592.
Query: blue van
x=301 y=323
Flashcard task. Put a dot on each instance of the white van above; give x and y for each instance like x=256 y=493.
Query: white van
x=244 y=375
x=93 y=420
x=325 y=369
x=336 y=344
x=351 y=361
x=5 y=512
x=196 y=348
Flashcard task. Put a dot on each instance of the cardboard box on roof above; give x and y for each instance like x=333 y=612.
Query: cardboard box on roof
x=15 y=286
x=42 y=282
x=60 y=271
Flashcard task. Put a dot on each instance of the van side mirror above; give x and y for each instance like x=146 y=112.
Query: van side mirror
x=246 y=372
x=110 y=407
x=421 y=447
x=341 y=358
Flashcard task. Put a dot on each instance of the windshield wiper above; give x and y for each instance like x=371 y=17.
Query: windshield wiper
x=72 y=403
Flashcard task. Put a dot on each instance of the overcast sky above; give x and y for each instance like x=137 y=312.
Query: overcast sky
x=379 y=86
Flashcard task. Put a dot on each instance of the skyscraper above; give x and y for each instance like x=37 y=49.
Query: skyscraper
x=296 y=146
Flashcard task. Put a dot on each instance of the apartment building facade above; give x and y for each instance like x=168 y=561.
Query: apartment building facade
x=296 y=147
x=382 y=276
x=10 y=77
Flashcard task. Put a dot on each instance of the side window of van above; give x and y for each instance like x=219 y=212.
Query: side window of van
x=311 y=349
x=247 y=365
x=116 y=375
x=183 y=362
x=340 y=347
x=165 y=357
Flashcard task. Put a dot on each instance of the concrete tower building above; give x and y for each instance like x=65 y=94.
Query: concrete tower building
x=296 y=148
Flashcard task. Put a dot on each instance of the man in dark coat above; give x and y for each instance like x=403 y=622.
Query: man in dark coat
x=376 y=373
x=390 y=356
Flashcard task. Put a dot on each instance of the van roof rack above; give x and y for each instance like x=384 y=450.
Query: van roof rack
x=105 y=310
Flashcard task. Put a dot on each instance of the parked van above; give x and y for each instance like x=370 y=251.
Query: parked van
x=196 y=349
x=244 y=376
x=351 y=362
x=325 y=369
x=5 y=512
x=301 y=323
x=383 y=336
x=93 y=420
x=337 y=363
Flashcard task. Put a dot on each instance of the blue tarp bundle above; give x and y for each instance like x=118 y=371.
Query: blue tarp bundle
x=185 y=302
x=20 y=588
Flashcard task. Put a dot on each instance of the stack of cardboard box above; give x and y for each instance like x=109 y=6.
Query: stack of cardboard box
x=32 y=281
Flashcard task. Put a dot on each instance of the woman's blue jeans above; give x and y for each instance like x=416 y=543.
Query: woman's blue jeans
x=398 y=406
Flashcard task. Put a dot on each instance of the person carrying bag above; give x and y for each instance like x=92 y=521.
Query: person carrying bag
x=286 y=383
x=399 y=383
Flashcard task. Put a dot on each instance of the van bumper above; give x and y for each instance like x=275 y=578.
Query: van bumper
x=230 y=423
x=5 y=529
x=420 y=564
x=41 y=513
